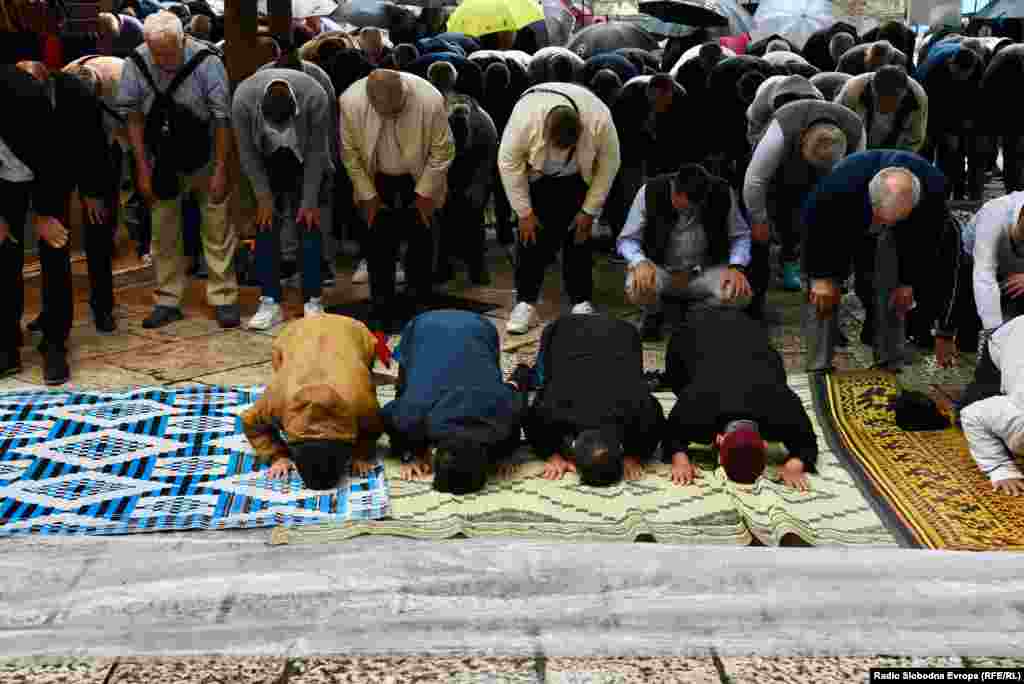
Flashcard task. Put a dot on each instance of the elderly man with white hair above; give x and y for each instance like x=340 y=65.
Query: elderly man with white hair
x=175 y=94
x=805 y=139
x=994 y=426
x=881 y=212
x=397 y=147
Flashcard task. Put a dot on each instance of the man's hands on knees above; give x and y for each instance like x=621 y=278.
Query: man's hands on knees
x=557 y=466
x=371 y=208
x=5 y=230
x=734 y=285
x=425 y=207
x=645 y=278
x=945 y=352
x=310 y=218
x=824 y=295
x=94 y=210
x=51 y=231
x=759 y=232
x=902 y=300
x=683 y=471
x=281 y=469
x=584 y=227
x=528 y=228
x=265 y=214
x=1012 y=487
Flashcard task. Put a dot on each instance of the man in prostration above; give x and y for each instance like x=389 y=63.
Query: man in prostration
x=319 y=414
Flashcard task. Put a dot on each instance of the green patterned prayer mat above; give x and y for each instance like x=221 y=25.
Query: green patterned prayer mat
x=712 y=511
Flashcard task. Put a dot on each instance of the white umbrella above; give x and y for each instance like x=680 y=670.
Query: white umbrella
x=794 y=20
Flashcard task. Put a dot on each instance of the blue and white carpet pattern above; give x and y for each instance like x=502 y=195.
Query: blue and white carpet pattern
x=152 y=459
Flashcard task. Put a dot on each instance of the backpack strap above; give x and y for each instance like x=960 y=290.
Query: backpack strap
x=179 y=78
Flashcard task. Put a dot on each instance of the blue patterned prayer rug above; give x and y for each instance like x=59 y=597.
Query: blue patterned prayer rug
x=152 y=459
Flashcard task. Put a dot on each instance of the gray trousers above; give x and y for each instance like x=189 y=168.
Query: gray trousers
x=890 y=329
x=703 y=291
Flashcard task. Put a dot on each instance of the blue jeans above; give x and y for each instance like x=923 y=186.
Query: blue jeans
x=268 y=252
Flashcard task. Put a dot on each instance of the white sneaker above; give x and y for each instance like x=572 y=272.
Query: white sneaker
x=523 y=317
x=267 y=316
x=584 y=308
x=313 y=307
x=399 y=274
x=147 y=259
x=362 y=274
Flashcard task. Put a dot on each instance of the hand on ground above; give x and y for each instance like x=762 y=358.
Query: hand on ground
x=361 y=467
x=793 y=475
x=633 y=468
x=945 y=352
x=506 y=471
x=734 y=285
x=824 y=296
x=683 y=471
x=557 y=466
x=1011 y=487
x=94 y=211
x=417 y=470
x=281 y=469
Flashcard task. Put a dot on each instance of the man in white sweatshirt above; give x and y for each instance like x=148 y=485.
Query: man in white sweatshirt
x=998 y=249
x=995 y=426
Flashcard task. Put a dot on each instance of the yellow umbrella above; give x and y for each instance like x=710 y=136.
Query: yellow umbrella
x=480 y=17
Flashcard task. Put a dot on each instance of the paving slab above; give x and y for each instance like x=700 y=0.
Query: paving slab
x=821 y=670
x=195 y=357
x=55 y=670
x=631 y=670
x=405 y=670
x=255 y=374
x=202 y=670
x=99 y=373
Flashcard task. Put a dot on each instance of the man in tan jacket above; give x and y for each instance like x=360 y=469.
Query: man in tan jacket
x=397 y=148
x=320 y=409
x=558 y=157
x=892 y=106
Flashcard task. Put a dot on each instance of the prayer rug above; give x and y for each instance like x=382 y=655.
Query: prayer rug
x=713 y=511
x=151 y=459
x=360 y=309
x=928 y=488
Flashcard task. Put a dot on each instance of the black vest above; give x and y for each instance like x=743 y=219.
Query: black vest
x=662 y=218
x=907 y=107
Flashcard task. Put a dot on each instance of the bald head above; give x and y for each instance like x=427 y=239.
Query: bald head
x=386 y=92
x=107 y=25
x=823 y=145
x=200 y=26
x=894 y=192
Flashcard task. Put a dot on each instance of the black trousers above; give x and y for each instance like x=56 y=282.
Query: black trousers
x=99 y=241
x=505 y=223
x=1013 y=150
x=954 y=151
x=396 y=221
x=556 y=201
x=462 y=234
x=640 y=439
x=58 y=301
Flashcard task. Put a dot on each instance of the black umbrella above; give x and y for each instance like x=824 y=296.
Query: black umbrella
x=610 y=36
x=689 y=12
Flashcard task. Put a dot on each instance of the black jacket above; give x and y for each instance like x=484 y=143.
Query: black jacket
x=85 y=156
x=722 y=367
x=593 y=375
x=816 y=48
x=27 y=128
x=1003 y=75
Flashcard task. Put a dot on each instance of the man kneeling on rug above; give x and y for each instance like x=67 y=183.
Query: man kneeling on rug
x=732 y=391
x=451 y=395
x=319 y=412
x=994 y=427
x=594 y=414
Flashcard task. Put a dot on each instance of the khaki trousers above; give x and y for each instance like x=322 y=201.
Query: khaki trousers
x=219 y=239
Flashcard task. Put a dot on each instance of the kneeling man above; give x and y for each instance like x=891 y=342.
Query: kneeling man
x=685 y=238
x=732 y=391
x=451 y=395
x=319 y=411
x=594 y=413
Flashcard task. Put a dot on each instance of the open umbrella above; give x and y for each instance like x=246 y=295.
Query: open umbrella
x=690 y=12
x=480 y=17
x=740 y=18
x=303 y=9
x=794 y=20
x=658 y=28
x=610 y=36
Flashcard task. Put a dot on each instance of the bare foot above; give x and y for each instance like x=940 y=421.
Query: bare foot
x=361 y=468
x=634 y=469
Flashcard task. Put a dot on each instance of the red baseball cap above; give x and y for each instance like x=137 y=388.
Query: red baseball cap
x=742 y=453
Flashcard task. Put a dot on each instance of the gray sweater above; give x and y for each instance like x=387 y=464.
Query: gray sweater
x=312 y=126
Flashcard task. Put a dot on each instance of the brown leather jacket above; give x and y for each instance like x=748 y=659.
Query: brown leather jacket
x=321 y=389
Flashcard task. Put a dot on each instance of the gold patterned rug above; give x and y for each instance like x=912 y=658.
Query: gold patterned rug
x=930 y=488
x=714 y=511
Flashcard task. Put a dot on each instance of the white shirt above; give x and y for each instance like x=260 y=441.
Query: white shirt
x=12 y=169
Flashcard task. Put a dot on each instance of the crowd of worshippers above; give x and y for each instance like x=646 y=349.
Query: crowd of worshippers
x=457 y=420
x=706 y=167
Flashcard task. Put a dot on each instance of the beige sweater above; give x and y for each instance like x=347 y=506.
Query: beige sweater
x=911 y=137
x=425 y=138
x=523 y=150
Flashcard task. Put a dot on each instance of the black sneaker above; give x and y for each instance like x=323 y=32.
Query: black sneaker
x=228 y=316
x=105 y=322
x=55 y=367
x=650 y=328
x=161 y=316
x=327 y=275
x=10 y=363
x=480 y=276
